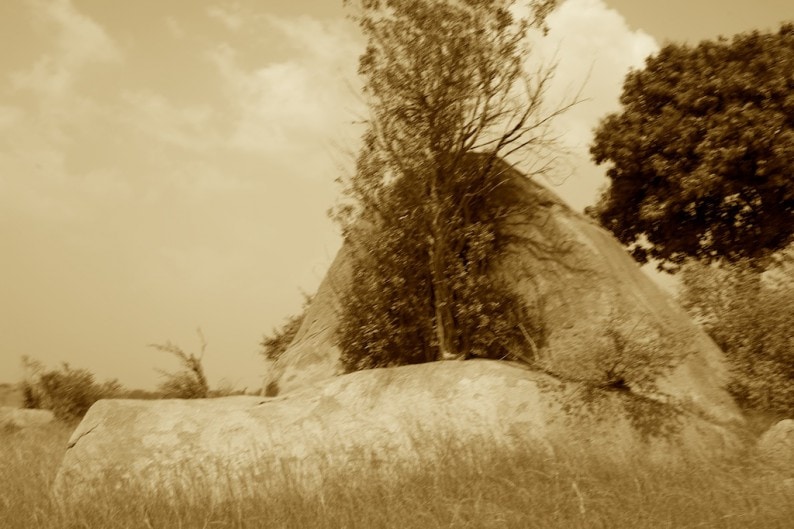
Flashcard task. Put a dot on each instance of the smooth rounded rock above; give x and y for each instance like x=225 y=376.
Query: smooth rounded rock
x=776 y=446
x=381 y=418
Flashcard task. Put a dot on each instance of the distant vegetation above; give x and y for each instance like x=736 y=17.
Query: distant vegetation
x=67 y=391
x=278 y=340
x=10 y=395
x=190 y=382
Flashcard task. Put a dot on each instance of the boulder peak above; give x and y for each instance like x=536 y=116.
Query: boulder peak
x=591 y=297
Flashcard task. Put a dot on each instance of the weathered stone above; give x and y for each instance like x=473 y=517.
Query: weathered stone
x=776 y=446
x=313 y=355
x=613 y=353
x=24 y=418
x=586 y=290
x=381 y=418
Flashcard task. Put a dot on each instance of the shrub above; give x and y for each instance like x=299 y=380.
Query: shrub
x=749 y=313
x=190 y=383
x=274 y=344
x=67 y=391
x=392 y=313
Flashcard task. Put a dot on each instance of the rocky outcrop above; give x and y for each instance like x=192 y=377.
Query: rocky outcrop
x=602 y=319
x=619 y=370
x=776 y=446
x=313 y=355
x=381 y=419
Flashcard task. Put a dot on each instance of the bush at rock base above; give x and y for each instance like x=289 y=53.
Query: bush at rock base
x=67 y=391
x=749 y=314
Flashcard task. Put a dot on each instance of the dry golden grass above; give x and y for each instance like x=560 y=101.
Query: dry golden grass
x=470 y=487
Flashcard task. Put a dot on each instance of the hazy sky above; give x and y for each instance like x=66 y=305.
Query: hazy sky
x=166 y=165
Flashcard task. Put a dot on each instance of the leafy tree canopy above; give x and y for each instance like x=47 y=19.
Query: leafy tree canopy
x=702 y=154
x=448 y=96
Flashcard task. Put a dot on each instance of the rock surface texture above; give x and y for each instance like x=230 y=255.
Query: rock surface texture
x=313 y=355
x=611 y=352
x=381 y=418
x=603 y=319
x=776 y=446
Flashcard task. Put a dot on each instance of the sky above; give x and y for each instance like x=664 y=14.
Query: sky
x=168 y=165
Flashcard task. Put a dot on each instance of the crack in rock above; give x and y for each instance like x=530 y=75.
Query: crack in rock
x=73 y=443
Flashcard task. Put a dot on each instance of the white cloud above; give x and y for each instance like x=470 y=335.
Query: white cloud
x=328 y=43
x=596 y=42
x=174 y=27
x=595 y=49
x=79 y=41
x=230 y=16
x=185 y=126
x=298 y=106
x=10 y=116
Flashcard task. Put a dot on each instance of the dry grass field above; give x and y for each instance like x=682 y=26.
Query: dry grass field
x=470 y=487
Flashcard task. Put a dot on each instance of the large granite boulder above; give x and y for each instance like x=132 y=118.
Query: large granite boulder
x=313 y=355
x=21 y=418
x=602 y=318
x=776 y=446
x=382 y=419
x=619 y=370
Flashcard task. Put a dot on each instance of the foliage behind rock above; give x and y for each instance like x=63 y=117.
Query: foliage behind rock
x=750 y=315
x=67 y=391
x=278 y=340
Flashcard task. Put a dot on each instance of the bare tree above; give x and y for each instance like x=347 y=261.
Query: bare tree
x=190 y=383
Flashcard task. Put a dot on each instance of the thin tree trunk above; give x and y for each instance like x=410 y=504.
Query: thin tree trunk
x=441 y=296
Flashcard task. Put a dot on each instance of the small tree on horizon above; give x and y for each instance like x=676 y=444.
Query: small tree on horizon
x=190 y=382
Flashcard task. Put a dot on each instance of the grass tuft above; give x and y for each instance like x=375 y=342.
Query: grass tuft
x=470 y=486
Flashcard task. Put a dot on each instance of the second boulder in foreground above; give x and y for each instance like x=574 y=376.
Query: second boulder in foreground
x=383 y=419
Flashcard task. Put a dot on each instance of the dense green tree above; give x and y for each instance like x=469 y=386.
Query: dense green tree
x=449 y=97
x=701 y=155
